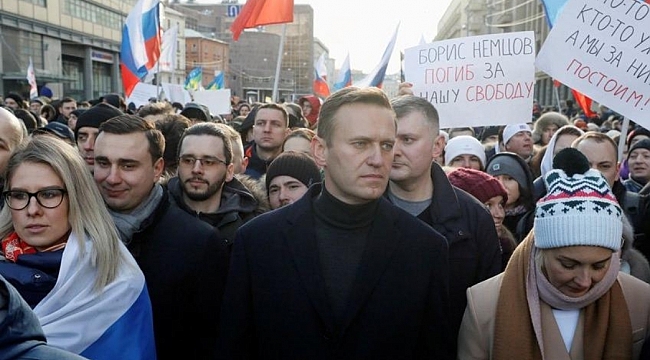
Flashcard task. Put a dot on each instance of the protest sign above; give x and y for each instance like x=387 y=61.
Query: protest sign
x=218 y=101
x=142 y=93
x=476 y=81
x=176 y=93
x=602 y=49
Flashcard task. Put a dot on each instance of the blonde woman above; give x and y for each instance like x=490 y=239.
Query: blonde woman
x=61 y=251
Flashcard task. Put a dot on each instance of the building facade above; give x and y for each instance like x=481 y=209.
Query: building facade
x=74 y=45
x=209 y=54
x=253 y=58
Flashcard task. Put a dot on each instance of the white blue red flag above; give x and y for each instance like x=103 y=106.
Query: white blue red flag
x=321 y=88
x=376 y=77
x=141 y=39
x=112 y=323
x=31 y=79
x=344 y=78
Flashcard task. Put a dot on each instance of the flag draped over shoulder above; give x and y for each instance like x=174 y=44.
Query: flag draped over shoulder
x=344 y=78
x=376 y=77
x=114 y=323
x=320 y=77
x=141 y=40
x=194 y=79
x=262 y=12
x=31 y=79
x=218 y=82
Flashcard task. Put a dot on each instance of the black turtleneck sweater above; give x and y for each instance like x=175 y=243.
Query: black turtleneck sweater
x=341 y=234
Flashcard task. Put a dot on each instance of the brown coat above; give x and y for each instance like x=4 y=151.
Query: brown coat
x=477 y=330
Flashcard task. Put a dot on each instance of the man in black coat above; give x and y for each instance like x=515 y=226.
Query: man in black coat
x=183 y=260
x=421 y=187
x=341 y=273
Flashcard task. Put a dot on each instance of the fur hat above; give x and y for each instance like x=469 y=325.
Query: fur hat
x=464 y=144
x=547 y=119
x=479 y=184
x=579 y=208
x=95 y=116
x=507 y=163
x=295 y=164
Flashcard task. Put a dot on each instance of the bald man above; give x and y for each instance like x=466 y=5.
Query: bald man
x=12 y=133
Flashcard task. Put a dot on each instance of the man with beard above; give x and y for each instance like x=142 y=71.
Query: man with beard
x=270 y=127
x=206 y=186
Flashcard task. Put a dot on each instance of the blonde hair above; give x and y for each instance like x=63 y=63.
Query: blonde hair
x=87 y=213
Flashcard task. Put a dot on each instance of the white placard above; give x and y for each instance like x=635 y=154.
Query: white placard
x=602 y=49
x=176 y=93
x=476 y=81
x=218 y=101
x=142 y=93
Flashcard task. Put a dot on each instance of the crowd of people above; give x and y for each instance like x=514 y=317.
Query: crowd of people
x=352 y=227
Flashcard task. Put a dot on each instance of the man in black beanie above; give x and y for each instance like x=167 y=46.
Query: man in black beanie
x=289 y=177
x=87 y=128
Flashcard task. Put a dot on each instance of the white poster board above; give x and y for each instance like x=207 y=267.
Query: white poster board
x=141 y=94
x=602 y=49
x=218 y=101
x=476 y=81
x=176 y=93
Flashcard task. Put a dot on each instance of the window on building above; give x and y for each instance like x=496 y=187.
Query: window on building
x=37 y=2
x=84 y=10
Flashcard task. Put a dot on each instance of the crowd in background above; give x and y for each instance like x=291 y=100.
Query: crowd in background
x=350 y=227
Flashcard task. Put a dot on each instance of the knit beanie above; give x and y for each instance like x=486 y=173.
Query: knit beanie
x=95 y=116
x=17 y=98
x=510 y=130
x=579 y=208
x=479 y=184
x=298 y=165
x=636 y=132
x=464 y=144
x=506 y=163
x=641 y=144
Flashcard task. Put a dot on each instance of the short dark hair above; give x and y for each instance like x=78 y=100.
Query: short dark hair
x=274 y=106
x=210 y=129
x=172 y=127
x=130 y=124
x=347 y=96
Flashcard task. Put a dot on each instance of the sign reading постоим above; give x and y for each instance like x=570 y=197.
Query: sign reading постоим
x=602 y=49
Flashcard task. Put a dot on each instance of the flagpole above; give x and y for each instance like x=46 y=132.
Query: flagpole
x=557 y=98
x=279 y=64
x=158 y=81
x=622 y=138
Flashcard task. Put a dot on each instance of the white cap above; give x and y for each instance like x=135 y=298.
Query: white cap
x=464 y=144
x=510 y=130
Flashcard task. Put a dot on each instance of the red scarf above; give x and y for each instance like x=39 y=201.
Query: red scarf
x=13 y=246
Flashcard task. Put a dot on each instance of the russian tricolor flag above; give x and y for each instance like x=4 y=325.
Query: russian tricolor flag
x=320 y=78
x=345 y=75
x=141 y=39
x=376 y=77
x=115 y=322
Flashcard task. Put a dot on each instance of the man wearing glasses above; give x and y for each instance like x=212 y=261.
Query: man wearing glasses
x=206 y=186
x=183 y=260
